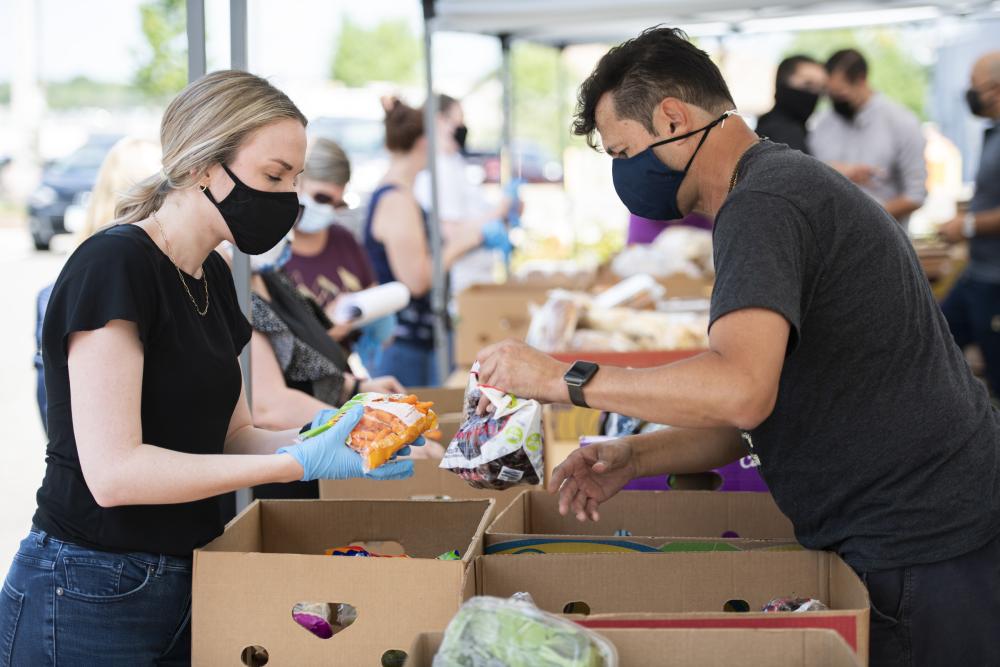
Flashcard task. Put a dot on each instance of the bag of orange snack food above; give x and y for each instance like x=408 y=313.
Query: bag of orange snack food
x=389 y=423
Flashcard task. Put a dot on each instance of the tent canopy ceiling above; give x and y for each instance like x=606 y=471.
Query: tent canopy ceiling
x=589 y=21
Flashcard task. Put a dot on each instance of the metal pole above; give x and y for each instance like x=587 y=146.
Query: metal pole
x=197 y=63
x=438 y=297
x=238 y=59
x=507 y=132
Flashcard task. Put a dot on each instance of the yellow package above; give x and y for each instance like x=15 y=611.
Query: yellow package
x=389 y=423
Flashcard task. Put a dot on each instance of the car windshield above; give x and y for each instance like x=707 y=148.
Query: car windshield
x=86 y=158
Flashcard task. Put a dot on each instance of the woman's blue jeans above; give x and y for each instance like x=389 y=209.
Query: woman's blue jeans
x=63 y=604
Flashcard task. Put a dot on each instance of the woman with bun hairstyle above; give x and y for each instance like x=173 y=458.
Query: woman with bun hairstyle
x=396 y=238
x=148 y=422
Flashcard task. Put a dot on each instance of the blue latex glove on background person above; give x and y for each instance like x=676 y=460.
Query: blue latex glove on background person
x=327 y=456
x=495 y=237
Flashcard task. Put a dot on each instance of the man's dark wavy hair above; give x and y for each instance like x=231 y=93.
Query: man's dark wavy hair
x=639 y=73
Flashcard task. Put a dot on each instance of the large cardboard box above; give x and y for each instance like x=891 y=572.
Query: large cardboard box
x=488 y=314
x=653 y=520
x=804 y=647
x=429 y=482
x=271 y=557
x=686 y=590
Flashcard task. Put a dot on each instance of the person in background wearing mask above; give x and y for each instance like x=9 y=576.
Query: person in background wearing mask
x=797 y=88
x=829 y=361
x=326 y=261
x=973 y=306
x=149 y=424
x=872 y=140
x=396 y=238
x=462 y=203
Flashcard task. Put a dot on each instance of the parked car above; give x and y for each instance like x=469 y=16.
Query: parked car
x=65 y=181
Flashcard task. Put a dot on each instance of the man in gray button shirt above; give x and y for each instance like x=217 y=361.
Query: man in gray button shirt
x=870 y=139
x=973 y=306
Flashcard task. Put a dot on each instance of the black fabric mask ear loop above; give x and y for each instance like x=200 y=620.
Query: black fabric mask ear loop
x=704 y=137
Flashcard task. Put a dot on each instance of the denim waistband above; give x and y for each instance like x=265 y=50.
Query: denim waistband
x=161 y=562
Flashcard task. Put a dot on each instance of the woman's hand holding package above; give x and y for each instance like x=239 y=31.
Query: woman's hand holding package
x=327 y=456
x=591 y=475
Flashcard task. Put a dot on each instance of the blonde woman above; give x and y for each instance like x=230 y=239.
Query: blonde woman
x=148 y=424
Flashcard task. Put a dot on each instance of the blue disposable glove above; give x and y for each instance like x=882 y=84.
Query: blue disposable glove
x=495 y=236
x=327 y=456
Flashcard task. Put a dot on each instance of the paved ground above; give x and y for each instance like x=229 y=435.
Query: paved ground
x=22 y=453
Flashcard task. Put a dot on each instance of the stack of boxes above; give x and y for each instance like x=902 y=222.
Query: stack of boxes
x=682 y=574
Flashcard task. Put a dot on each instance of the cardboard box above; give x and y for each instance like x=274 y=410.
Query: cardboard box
x=803 y=647
x=271 y=557
x=657 y=520
x=686 y=590
x=488 y=314
x=429 y=482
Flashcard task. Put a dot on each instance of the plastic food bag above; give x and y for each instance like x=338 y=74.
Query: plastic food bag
x=792 y=603
x=389 y=423
x=501 y=449
x=490 y=631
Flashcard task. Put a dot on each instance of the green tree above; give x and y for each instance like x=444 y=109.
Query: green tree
x=535 y=75
x=81 y=91
x=892 y=70
x=388 y=51
x=163 y=71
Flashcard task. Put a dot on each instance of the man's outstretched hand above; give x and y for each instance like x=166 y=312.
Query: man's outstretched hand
x=591 y=475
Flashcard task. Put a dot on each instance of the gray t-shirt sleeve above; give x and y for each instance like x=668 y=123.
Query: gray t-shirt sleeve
x=762 y=247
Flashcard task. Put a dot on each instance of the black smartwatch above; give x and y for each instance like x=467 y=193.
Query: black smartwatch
x=579 y=374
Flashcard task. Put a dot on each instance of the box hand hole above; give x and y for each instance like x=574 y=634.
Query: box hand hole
x=324 y=619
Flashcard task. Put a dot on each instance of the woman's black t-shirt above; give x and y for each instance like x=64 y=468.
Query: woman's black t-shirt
x=190 y=385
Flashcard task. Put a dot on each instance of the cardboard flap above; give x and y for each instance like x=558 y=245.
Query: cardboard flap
x=674 y=582
x=807 y=647
x=662 y=514
x=426 y=530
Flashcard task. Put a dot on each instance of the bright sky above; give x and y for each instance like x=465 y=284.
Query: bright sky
x=102 y=39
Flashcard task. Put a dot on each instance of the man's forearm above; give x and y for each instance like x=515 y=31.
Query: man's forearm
x=682 y=451
x=705 y=391
x=900 y=207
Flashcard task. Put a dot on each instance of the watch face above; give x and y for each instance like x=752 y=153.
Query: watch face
x=581 y=372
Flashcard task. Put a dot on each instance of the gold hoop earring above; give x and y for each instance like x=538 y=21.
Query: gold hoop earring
x=203 y=187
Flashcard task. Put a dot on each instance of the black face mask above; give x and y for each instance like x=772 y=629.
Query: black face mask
x=461 y=133
x=795 y=102
x=257 y=219
x=844 y=108
x=975 y=101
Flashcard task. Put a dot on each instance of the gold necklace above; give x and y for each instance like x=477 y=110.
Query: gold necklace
x=204 y=276
x=736 y=169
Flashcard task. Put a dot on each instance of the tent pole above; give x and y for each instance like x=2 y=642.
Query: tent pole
x=507 y=170
x=196 y=39
x=238 y=59
x=439 y=306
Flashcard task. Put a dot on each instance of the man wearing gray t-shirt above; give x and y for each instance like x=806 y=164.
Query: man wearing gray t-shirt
x=870 y=139
x=973 y=306
x=829 y=361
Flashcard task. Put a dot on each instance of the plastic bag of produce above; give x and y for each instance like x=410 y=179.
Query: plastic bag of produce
x=389 y=423
x=500 y=449
x=490 y=631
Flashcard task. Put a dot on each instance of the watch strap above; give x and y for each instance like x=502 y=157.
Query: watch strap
x=576 y=395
